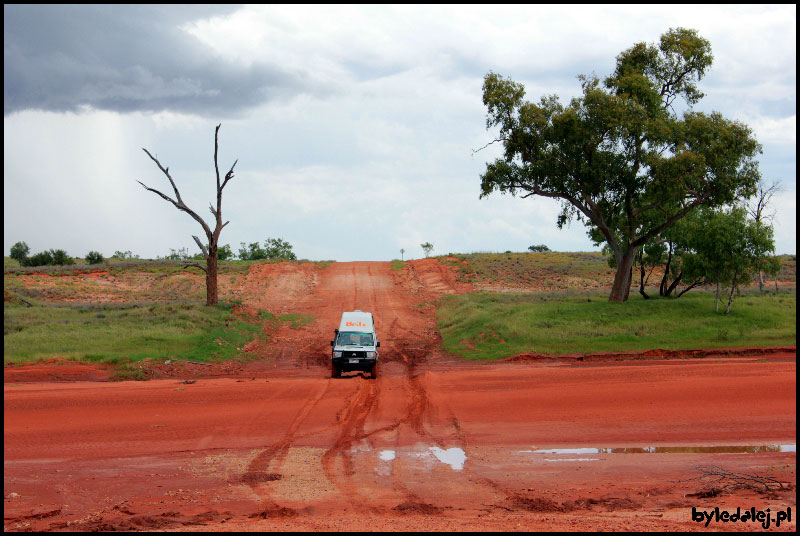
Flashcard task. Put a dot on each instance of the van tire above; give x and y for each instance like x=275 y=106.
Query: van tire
x=374 y=371
x=335 y=372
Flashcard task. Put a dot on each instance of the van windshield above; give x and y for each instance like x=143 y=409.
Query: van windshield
x=349 y=338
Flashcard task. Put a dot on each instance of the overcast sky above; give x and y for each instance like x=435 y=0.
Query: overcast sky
x=354 y=127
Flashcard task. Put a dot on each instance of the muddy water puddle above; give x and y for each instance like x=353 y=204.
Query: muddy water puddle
x=427 y=457
x=716 y=449
x=423 y=456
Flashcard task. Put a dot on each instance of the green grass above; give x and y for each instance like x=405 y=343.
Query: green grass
x=116 y=334
x=297 y=320
x=496 y=325
x=397 y=265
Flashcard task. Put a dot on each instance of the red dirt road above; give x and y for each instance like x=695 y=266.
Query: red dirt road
x=433 y=444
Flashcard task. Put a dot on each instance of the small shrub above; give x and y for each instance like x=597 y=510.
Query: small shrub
x=60 y=257
x=94 y=257
x=125 y=255
x=45 y=258
x=540 y=248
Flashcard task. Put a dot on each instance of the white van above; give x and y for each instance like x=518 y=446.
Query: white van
x=355 y=346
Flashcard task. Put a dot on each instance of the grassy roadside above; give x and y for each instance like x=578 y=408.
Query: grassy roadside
x=120 y=333
x=497 y=325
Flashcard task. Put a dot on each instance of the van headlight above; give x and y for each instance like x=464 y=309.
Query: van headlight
x=337 y=354
x=371 y=354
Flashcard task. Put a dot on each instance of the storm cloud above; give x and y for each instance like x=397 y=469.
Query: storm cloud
x=127 y=58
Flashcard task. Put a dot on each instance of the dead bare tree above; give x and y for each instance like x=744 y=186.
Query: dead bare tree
x=756 y=208
x=210 y=251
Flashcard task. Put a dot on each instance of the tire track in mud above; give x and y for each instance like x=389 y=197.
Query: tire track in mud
x=351 y=425
x=338 y=460
x=406 y=346
x=418 y=417
x=267 y=465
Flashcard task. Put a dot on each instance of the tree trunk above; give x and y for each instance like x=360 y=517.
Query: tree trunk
x=730 y=298
x=641 y=281
x=211 y=277
x=622 y=278
x=674 y=284
x=760 y=281
x=690 y=287
x=716 y=303
x=663 y=287
x=630 y=282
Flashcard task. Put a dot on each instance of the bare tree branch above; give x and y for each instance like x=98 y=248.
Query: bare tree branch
x=194 y=265
x=229 y=175
x=165 y=197
x=474 y=151
x=166 y=172
x=202 y=246
x=763 y=198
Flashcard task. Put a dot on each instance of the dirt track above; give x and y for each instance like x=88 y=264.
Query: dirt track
x=433 y=444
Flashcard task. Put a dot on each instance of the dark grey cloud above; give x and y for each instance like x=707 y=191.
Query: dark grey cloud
x=126 y=58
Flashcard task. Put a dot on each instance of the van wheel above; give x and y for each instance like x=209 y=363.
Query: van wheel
x=374 y=371
x=335 y=372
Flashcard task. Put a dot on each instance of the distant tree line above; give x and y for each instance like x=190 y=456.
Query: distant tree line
x=51 y=257
x=273 y=248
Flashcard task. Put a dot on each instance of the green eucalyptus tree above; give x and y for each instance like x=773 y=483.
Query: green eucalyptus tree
x=619 y=157
x=729 y=250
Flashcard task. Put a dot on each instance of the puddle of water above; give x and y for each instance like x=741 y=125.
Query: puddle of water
x=384 y=466
x=721 y=449
x=453 y=457
x=564 y=451
x=426 y=456
x=572 y=460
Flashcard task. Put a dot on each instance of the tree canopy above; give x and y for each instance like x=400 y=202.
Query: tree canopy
x=619 y=157
x=19 y=251
x=730 y=250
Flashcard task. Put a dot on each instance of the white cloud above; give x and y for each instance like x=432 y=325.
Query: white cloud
x=775 y=130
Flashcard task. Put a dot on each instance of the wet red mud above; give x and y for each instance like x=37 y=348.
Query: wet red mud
x=434 y=443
